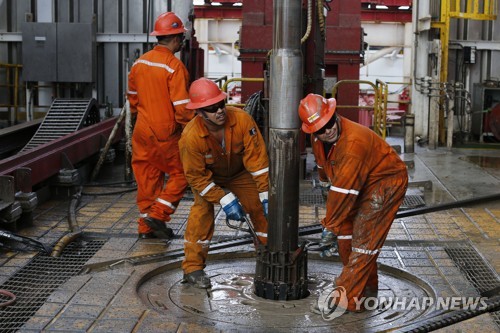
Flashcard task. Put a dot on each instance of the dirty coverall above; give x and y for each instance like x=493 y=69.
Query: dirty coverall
x=368 y=184
x=157 y=85
x=242 y=167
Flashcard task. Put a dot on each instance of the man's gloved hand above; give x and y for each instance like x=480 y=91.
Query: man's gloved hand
x=328 y=244
x=325 y=188
x=232 y=207
x=263 y=196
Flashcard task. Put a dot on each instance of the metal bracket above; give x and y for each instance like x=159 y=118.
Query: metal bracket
x=7 y=191
x=11 y=213
x=24 y=193
x=426 y=184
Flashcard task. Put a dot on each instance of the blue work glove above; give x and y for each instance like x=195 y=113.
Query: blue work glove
x=328 y=244
x=263 y=196
x=232 y=207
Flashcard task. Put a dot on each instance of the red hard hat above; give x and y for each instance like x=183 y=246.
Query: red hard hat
x=168 y=24
x=315 y=111
x=204 y=92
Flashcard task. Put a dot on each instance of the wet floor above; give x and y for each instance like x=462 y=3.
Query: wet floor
x=130 y=285
x=492 y=162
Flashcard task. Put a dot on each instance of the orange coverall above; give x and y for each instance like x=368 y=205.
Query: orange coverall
x=368 y=184
x=157 y=85
x=242 y=167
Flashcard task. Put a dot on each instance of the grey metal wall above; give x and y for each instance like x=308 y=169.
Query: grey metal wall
x=121 y=28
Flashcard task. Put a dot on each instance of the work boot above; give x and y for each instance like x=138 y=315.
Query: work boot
x=152 y=235
x=197 y=279
x=160 y=230
x=147 y=235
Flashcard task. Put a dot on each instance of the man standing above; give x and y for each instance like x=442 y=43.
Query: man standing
x=220 y=148
x=158 y=94
x=368 y=183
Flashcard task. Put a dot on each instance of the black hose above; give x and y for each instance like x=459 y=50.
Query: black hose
x=110 y=184
x=110 y=192
x=449 y=205
x=447 y=319
x=255 y=108
x=74 y=229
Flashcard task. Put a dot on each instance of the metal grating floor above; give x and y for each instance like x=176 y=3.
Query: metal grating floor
x=33 y=283
x=496 y=317
x=479 y=274
x=311 y=197
x=412 y=201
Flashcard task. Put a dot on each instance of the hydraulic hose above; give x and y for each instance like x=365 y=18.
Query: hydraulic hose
x=74 y=229
x=450 y=318
x=111 y=192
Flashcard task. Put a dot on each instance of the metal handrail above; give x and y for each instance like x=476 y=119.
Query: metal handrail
x=380 y=118
x=240 y=79
x=14 y=86
x=379 y=107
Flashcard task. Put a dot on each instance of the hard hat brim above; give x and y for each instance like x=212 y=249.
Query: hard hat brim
x=332 y=106
x=170 y=32
x=211 y=101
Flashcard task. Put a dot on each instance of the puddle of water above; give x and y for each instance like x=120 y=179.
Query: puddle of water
x=483 y=161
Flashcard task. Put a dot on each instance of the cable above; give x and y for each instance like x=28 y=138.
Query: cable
x=255 y=108
x=74 y=229
x=111 y=184
x=111 y=192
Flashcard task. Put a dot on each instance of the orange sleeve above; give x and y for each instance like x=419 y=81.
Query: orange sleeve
x=255 y=156
x=349 y=175
x=319 y=158
x=178 y=86
x=132 y=92
x=197 y=174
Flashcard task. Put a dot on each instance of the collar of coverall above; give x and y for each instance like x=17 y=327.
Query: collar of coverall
x=339 y=125
x=162 y=48
x=230 y=122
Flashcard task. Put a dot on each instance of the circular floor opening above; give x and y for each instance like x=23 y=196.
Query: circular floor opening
x=231 y=302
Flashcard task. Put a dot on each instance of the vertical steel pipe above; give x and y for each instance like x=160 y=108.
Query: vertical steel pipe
x=281 y=269
x=284 y=126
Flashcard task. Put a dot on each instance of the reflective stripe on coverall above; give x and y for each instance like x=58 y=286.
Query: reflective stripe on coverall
x=369 y=183
x=158 y=83
x=242 y=167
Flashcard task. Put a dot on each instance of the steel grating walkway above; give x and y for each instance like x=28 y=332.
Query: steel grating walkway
x=33 y=283
x=64 y=117
x=474 y=268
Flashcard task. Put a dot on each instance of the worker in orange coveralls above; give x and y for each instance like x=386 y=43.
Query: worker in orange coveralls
x=158 y=94
x=367 y=183
x=221 y=148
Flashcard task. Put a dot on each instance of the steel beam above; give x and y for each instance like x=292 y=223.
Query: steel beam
x=46 y=160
